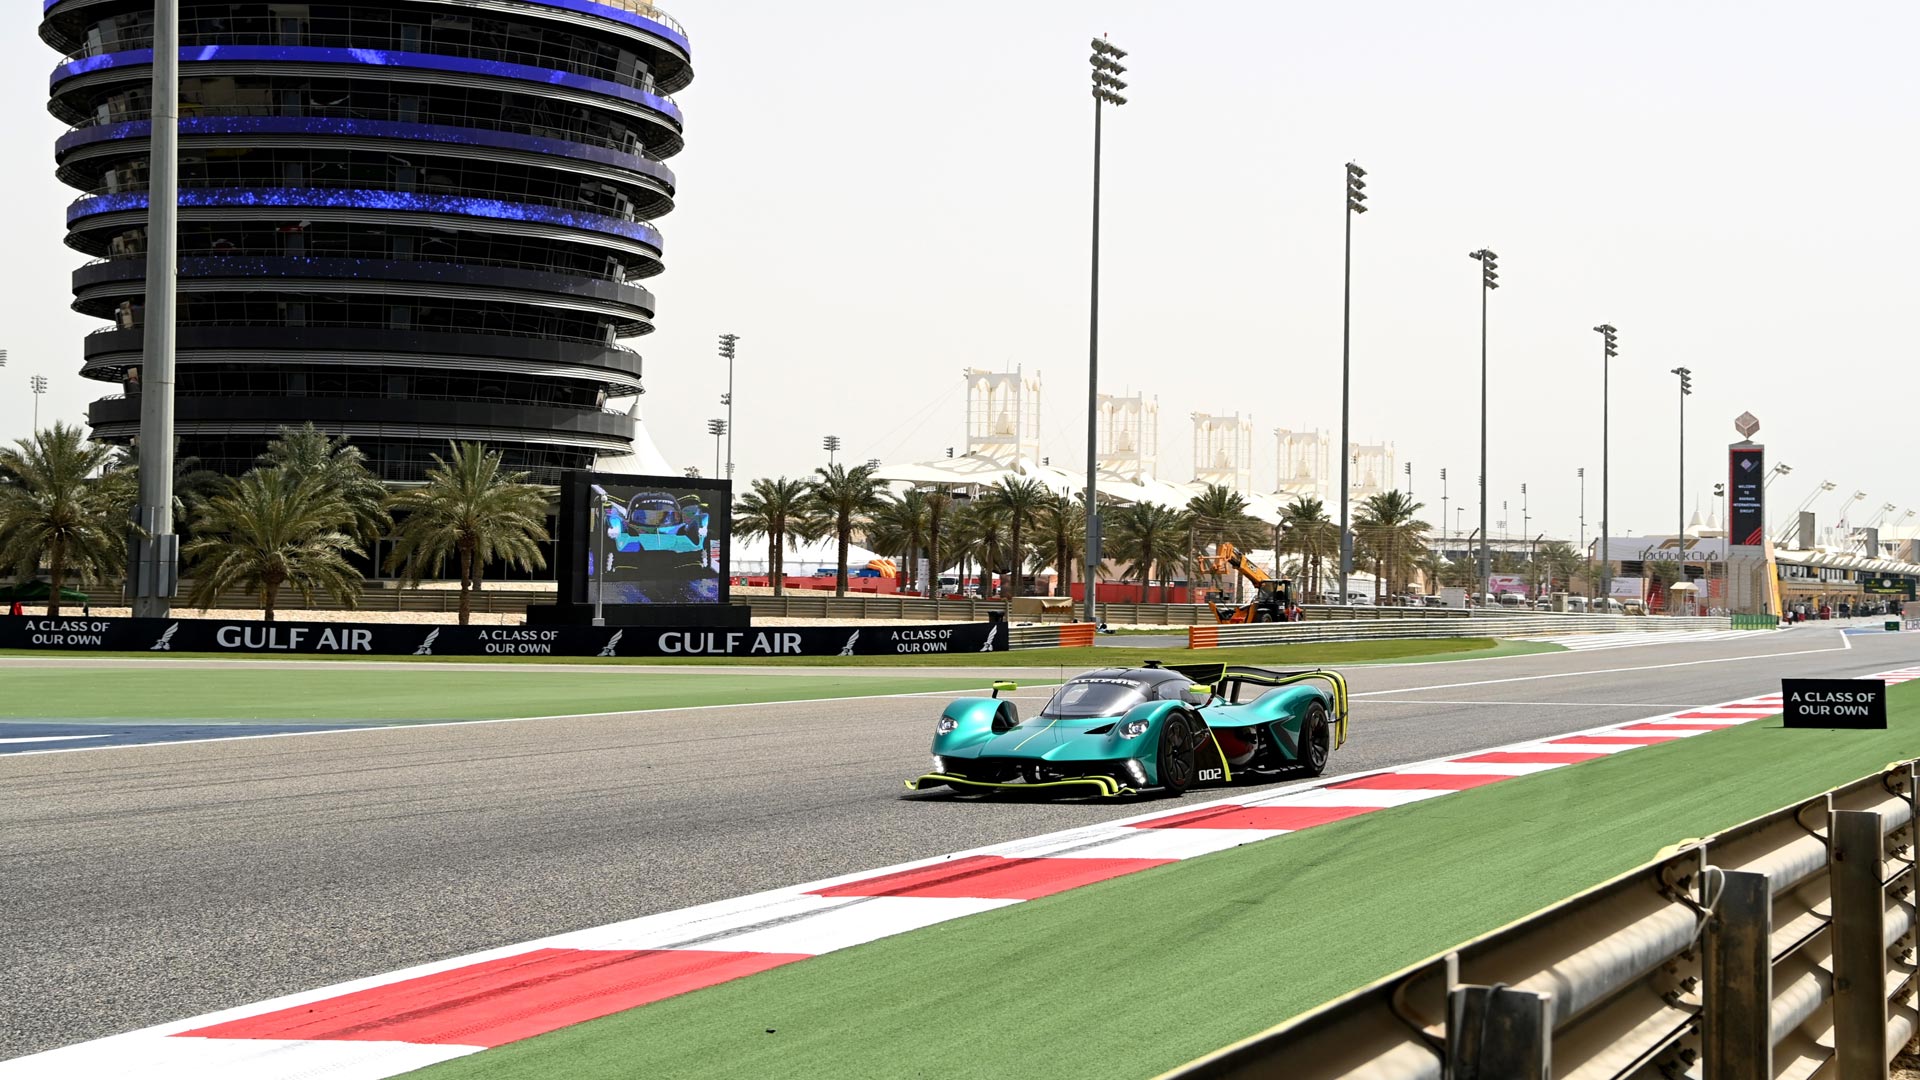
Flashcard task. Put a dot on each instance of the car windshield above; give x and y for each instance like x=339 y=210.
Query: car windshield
x=1086 y=698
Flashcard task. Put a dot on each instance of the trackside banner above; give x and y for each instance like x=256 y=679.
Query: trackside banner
x=403 y=639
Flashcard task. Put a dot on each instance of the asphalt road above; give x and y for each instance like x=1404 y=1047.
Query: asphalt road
x=146 y=884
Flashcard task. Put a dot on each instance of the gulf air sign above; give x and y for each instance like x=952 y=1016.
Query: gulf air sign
x=1692 y=549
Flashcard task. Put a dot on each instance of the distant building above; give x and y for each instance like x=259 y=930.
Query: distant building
x=406 y=222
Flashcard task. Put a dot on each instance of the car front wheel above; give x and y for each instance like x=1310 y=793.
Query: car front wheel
x=1177 y=755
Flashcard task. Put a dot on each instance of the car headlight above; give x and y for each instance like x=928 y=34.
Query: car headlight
x=1134 y=770
x=945 y=726
x=1133 y=729
x=939 y=764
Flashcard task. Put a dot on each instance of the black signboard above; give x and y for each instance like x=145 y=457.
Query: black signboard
x=1834 y=703
x=407 y=639
x=1746 y=494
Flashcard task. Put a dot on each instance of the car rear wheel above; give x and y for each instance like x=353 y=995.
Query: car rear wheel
x=1177 y=753
x=1316 y=740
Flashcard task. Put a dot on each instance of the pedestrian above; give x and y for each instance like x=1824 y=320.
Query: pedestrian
x=17 y=609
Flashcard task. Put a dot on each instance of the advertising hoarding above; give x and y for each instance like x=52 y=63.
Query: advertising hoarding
x=1746 y=494
x=644 y=539
x=1692 y=549
x=1628 y=588
x=1506 y=583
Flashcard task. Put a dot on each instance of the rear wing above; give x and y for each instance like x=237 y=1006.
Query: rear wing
x=1226 y=679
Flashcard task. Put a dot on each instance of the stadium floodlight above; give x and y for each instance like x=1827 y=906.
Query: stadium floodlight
x=1488 y=282
x=831 y=444
x=1609 y=338
x=1106 y=84
x=1686 y=390
x=1355 y=202
x=728 y=342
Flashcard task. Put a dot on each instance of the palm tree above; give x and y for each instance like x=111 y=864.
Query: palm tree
x=772 y=508
x=1062 y=521
x=902 y=522
x=192 y=484
x=1149 y=534
x=1560 y=562
x=1307 y=532
x=53 y=508
x=838 y=501
x=981 y=531
x=306 y=451
x=1018 y=499
x=1393 y=536
x=269 y=528
x=939 y=502
x=1218 y=514
x=469 y=509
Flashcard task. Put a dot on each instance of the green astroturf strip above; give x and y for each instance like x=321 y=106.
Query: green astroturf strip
x=1336 y=652
x=404 y=693
x=1135 y=975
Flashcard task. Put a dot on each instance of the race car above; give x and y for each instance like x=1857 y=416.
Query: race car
x=656 y=521
x=1117 y=731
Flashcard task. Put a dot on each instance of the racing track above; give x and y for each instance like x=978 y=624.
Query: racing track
x=151 y=883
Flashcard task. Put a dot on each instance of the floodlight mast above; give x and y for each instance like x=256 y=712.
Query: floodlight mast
x=154 y=552
x=1106 y=86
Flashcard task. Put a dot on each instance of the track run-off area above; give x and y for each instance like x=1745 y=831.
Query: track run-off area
x=151 y=883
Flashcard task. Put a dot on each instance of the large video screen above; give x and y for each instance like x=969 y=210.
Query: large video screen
x=647 y=539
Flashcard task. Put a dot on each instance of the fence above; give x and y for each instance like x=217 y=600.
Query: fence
x=1783 y=947
x=1209 y=637
x=1069 y=635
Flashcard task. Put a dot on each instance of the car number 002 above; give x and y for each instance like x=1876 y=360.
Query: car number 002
x=1209 y=774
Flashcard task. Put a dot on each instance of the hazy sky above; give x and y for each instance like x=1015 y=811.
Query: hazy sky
x=877 y=195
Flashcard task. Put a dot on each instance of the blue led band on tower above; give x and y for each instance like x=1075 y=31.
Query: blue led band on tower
x=300 y=54
x=363 y=199
x=389 y=129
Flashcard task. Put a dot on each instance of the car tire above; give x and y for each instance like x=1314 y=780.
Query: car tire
x=1177 y=760
x=1316 y=741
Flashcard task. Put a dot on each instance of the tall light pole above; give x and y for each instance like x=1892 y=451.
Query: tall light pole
x=38 y=384
x=1443 y=509
x=1686 y=390
x=155 y=557
x=1582 y=472
x=1489 y=281
x=717 y=429
x=727 y=343
x=1107 y=70
x=1526 y=516
x=831 y=444
x=1356 y=204
x=1407 y=467
x=1608 y=351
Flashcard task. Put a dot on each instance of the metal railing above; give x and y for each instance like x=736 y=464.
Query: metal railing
x=195 y=32
x=631 y=145
x=1476 y=625
x=349 y=183
x=1783 y=947
x=360 y=324
x=629 y=274
x=901 y=608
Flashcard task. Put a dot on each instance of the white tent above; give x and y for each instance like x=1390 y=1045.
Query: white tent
x=750 y=556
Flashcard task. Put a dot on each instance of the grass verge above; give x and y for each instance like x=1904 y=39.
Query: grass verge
x=405 y=693
x=1136 y=975
x=1336 y=652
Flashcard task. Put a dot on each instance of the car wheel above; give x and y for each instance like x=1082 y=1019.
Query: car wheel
x=1176 y=758
x=1316 y=741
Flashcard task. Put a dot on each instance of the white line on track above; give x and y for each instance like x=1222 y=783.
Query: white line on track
x=51 y=738
x=430 y=724
x=1603 y=671
x=1551 y=704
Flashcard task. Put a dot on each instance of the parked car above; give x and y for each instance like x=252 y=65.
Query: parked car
x=1512 y=599
x=1607 y=605
x=1577 y=605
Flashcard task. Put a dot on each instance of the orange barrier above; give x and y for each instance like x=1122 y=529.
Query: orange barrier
x=1077 y=635
x=1203 y=637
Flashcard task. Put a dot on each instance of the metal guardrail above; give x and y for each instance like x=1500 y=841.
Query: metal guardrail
x=1504 y=626
x=903 y=608
x=1783 y=947
x=1055 y=636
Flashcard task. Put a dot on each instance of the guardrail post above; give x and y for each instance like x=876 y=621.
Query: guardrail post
x=1498 y=1033
x=1736 y=1027
x=1859 y=946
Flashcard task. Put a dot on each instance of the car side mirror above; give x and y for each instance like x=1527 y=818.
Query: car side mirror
x=1004 y=687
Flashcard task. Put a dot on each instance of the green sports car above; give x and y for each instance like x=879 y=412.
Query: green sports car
x=1116 y=731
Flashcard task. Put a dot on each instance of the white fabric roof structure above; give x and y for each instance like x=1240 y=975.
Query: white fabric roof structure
x=1846 y=560
x=976 y=471
x=751 y=556
x=645 y=459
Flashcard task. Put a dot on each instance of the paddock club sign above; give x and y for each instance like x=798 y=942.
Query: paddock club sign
x=401 y=639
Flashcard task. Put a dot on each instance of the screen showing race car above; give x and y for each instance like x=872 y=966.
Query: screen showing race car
x=648 y=539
